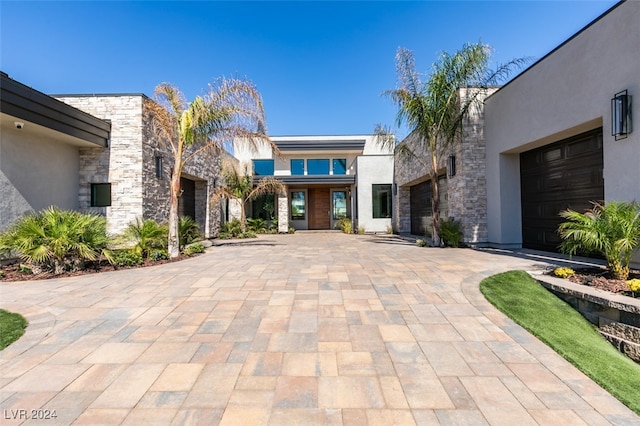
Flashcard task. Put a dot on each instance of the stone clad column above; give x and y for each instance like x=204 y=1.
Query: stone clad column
x=283 y=212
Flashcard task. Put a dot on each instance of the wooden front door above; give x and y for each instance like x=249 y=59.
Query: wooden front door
x=319 y=208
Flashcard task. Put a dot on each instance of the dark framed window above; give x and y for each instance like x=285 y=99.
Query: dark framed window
x=159 y=168
x=263 y=167
x=381 y=195
x=339 y=166
x=339 y=204
x=297 y=167
x=318 y=166
x=298 y=205
x=100 y=194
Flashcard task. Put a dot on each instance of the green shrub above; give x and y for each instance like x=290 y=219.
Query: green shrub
x=25 y=269
x=451 y=232
x=160 y=254
x=126 y=258
x=389 y=230
x=248 y=234
x=421 y=243
x=361 y=230
x=345 y=225
x=188 y=231
x=57 y=240
x=193 y=249
x=634 y=285
x=147 y=236
x=611 y=229
x=256 y=225
x=563 y=272
x=232 y=228
x=272 y=227
x=292 y=230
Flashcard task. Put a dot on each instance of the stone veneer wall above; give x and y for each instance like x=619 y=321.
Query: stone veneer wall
x=466 y=191
x=468 y=188
x=120 y=164
x=204 y=169
x=283 y=211
x=129 y=165
x=155 y=200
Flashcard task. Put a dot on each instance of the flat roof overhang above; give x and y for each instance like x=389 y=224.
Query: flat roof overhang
x=313 y=180
x=320 y=145
x=30 y=105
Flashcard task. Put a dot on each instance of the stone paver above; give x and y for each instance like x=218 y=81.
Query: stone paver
x=291 y=329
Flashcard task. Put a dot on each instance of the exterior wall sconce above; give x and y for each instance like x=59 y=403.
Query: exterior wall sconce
x=159 y=168
x=621 y=115
x=451 y=165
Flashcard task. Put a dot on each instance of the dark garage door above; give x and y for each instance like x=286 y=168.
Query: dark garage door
x=565 y=174
x=420 y=200
x=187 y=202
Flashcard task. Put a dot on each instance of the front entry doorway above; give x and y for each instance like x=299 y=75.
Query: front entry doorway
x=319 y=208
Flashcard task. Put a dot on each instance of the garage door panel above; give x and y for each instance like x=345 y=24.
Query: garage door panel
x=560 y=176
x=420 y=205
x=584 y=147
x=541 y=239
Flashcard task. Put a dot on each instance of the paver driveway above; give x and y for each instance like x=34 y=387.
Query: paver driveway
x=290 y=329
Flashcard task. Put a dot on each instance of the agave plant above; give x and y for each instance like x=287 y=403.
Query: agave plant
x=57 y=240
x=611 y=229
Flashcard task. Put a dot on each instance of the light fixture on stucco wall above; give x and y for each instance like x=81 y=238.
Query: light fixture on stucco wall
x=621 y=115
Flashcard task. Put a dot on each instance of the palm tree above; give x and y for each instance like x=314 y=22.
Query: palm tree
x=434 y=109
x=231 y=110
x=238 y=185
x=611 y=229
x=57 y=240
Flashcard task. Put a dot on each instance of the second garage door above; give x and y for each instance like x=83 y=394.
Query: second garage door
x=562 y=175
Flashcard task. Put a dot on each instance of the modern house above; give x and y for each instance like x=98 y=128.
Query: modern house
x=327 y=178
x=560 y=135
x=93 y=153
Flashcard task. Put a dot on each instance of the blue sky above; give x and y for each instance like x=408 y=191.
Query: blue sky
x=321 y=66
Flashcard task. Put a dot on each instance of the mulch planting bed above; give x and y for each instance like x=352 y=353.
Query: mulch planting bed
x=12 y=272
x=601 y=279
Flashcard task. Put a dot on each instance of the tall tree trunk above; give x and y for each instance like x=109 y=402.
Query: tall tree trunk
x=435 y=201
x=243 y=217
x=173 y=244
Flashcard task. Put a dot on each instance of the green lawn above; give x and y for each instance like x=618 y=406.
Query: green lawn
x=11 y=327
x=525 y=301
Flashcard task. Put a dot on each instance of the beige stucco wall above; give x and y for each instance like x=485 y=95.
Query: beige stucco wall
x=566 y=93
x=38 y=169
x=372 y=169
